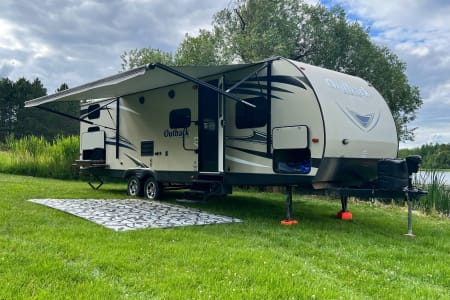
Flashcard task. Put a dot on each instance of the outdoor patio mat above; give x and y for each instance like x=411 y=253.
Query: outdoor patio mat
x=131 y=214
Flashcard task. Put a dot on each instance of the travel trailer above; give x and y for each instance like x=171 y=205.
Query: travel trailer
x=277 y=122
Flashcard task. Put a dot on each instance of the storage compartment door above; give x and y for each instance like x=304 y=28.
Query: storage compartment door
x=93 y=145
x=290 y=150
x=291 y=137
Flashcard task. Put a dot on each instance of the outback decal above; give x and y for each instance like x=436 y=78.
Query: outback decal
x=169 y=133
x=366 y=121
x=347 y=89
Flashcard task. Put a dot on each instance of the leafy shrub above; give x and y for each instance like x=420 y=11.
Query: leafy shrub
x=36 y=156
x=438 y=197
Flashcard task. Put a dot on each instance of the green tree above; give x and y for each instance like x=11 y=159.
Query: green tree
x=434 y=156
x=7 y=108
x=253 y=30
x=19 y=121
x=29 y=121
x=62 y=87
x=138 y=57
x=199 y=50
x=256 y=29
x=61 y=124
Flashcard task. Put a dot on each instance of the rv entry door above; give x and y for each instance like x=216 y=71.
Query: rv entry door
x=210 y=136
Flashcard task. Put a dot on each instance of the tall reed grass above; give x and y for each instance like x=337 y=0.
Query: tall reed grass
x=438 y=197
x=39 y=157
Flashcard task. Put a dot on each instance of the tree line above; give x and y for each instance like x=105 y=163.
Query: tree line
x=18 y=121
x=434 y=156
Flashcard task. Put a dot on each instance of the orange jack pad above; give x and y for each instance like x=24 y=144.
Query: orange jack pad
x=289 y=222
x=345 y=215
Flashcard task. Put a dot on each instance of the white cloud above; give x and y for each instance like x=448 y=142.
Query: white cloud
x=414 y=49
x=440 y=93
x=427 y=135
x=75 y=41
x=8 y=36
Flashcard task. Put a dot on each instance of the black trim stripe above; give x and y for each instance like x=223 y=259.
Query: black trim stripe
x=291 y=80
x=259 y=86
x=256 y=87
x=252 y=152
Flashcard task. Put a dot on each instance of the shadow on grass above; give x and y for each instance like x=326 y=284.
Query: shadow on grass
x=312 y=212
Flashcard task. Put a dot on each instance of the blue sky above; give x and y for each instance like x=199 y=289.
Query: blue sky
x=76 y=41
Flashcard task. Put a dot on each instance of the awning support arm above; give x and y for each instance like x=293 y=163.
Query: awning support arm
x=71 y=117
x=198 y=81
x=97 y=109
x=247 y=77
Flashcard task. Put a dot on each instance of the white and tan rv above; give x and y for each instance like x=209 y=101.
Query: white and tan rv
x=276 y=122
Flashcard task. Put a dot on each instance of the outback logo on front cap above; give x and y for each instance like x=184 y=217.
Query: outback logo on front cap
x=364 y=121
x=347 y=88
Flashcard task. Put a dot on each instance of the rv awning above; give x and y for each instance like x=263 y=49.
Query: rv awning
x=140 y=79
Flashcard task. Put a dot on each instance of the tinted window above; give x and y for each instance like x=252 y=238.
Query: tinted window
x=180 y=118
x=251 y=117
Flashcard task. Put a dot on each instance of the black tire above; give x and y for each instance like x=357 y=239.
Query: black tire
x=134 y=187
x=152 y=189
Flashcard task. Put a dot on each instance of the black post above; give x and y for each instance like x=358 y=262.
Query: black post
x=409 y=197
x=344 y=199
x=289 y=202
x=412 y=162
x=117 y=126
x=289 y=215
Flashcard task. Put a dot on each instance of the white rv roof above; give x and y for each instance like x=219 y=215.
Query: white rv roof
x=133 y=81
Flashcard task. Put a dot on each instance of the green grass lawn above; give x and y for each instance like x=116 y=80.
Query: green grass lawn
x=47 y=254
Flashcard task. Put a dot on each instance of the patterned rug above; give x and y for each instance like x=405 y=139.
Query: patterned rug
x=131 y=214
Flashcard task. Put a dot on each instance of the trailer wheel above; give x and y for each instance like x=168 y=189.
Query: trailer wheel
x=152 y=189
x=134 y=186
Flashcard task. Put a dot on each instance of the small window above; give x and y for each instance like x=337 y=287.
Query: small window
x=251 y=117
x=147 y=148
x=180 y=118
x=94 y=111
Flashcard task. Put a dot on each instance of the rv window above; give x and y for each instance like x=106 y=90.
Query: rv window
x=251 y=117
x=94 y=111
x=180 y=118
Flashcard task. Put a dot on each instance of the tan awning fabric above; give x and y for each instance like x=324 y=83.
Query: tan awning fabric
x=133 y=81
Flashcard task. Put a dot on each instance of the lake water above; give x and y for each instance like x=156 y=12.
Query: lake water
x=425 y=176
